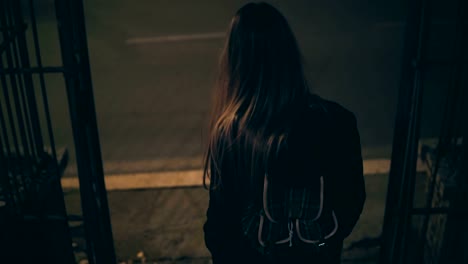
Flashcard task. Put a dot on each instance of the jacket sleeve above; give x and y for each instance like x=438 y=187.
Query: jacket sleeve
x=348 y=187
x=222 y=228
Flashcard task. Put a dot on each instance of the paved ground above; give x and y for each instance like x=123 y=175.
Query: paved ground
x=152 y=98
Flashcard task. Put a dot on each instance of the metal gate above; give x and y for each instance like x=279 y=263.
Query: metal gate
x=33 y=218
x=439 y=235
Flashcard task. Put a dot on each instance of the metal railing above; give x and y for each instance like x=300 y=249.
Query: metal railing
x=33 y=218
x=31 y=198
x=400 y=209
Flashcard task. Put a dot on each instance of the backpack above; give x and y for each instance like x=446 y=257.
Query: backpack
x=290 y=218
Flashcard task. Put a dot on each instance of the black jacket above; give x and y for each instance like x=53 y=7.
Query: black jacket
x=325 y=141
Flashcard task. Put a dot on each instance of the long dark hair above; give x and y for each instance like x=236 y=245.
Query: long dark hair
x=261 y=86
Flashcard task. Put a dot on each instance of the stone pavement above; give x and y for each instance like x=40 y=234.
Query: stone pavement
x=165 y=225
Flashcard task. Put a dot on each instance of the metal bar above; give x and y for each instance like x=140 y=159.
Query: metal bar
x=3 y=83
x=456 y=231
x=28 y=82
x=57 y=173
x=34 y=70
x=447 y=134
x=20 y=29
x=4 y=176
x=404 y=125
x=3 y=125
x=6 y=41
x=23 y=150
x=438 y=210
x=459 y=48
x=462 y=200
x=12 y=36
x=409 y=177
x=49 y=192
x=22 y=108
x=29 y=129
x=42 y=84
x=6 y=94
x=72 y=35
x=13 y=168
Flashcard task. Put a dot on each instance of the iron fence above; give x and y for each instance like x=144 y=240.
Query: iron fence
x=33 y=218
x=400 y=226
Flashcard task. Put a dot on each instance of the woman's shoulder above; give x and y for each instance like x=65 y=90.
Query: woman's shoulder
x=327 y=107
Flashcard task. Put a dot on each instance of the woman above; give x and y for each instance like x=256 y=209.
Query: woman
x=265 y=126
